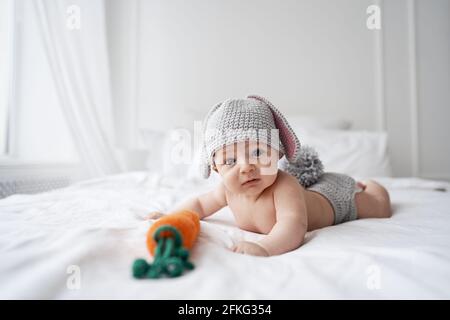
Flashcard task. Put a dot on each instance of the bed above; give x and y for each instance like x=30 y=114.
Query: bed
x=80 y=242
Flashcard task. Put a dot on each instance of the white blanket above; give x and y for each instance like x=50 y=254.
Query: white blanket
x=80 y=242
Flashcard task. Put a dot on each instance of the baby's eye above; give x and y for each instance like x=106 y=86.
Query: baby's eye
x=258 y=152
x=230 y=161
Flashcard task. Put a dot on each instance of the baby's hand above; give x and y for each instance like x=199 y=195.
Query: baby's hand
x=154 y=215
x=251 y=248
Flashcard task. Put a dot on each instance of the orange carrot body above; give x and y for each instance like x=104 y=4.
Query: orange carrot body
x=187 y=223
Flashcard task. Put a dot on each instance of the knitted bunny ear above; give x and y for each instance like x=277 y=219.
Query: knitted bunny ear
x=288 y=138
x=205 y=168
x=205 y=165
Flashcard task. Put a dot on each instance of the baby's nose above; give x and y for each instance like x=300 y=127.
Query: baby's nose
x=247 y=167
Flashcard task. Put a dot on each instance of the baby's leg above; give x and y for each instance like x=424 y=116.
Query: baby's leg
x=373 y=202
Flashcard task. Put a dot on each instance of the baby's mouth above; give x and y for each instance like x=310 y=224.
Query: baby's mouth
x=250 y=181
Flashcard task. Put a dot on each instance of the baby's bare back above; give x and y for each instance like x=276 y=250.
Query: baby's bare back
x=260 y=215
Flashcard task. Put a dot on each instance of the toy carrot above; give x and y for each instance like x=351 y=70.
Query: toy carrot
x=168 y=241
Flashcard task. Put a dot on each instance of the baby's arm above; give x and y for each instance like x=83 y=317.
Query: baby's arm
x=291 y=219
x=205 y=204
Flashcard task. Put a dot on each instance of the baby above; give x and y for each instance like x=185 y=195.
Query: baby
x=240 y=145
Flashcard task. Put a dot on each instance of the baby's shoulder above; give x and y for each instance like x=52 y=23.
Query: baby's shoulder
x=285 y=178
x=220 y=194
x=285 y=182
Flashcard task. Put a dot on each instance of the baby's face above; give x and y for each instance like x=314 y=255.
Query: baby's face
x=247 y=167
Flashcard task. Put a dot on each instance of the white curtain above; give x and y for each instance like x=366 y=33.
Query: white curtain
x=74 y=37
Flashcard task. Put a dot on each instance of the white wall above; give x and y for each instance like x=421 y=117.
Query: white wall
x=417 y=85
x=5 y=58
x=433 y=87
x=397 y=85
x=173 y=59
x=122 y=28
x=310 y=57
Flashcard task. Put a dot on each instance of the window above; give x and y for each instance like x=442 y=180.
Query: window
x=6 y=73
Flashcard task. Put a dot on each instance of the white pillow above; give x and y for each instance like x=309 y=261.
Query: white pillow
x=296 y=121
x=359 y=154
x=356 y=153
x=172 y=152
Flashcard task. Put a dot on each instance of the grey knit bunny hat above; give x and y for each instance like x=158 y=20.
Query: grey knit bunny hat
x=252 y=118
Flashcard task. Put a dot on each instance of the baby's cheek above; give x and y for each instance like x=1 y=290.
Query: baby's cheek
x=269 y=180
x=229 y=180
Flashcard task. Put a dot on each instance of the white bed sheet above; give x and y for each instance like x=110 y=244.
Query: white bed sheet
x=98 y=226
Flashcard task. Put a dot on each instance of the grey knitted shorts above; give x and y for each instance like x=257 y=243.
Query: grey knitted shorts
x=340 y=190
